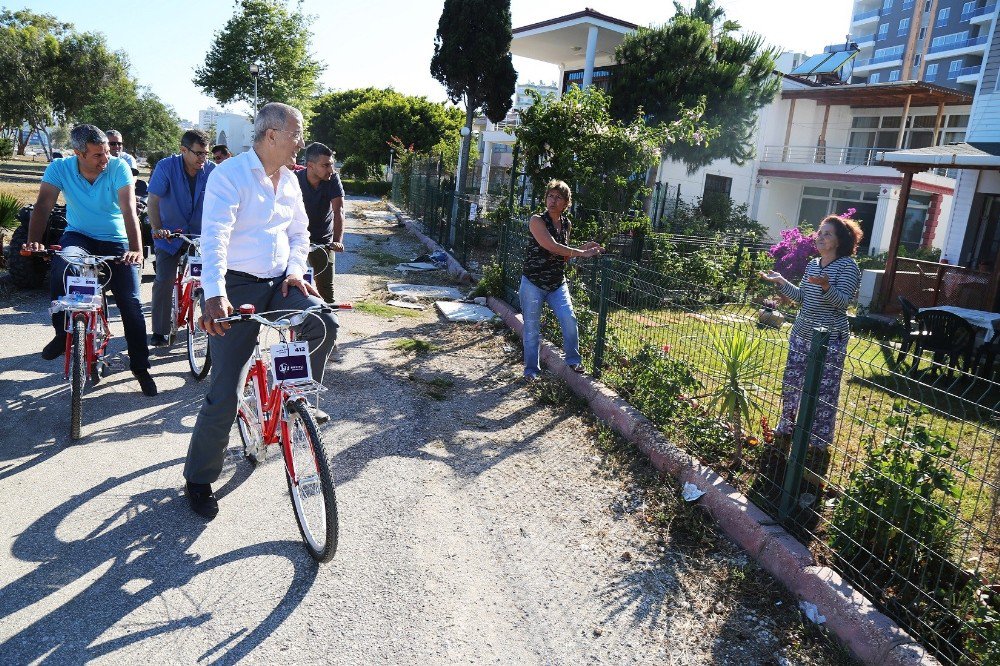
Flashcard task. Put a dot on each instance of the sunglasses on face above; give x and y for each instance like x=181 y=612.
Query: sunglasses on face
x=114 y=143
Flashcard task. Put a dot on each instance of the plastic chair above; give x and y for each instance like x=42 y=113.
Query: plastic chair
x=945 y=335
x=910 y=329
x=987 y=354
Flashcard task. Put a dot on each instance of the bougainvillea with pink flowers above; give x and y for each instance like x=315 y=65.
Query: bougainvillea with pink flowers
x=792 y=253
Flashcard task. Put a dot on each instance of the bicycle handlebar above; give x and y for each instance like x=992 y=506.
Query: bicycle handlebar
x=71 y=257
x=284 y=322
x=190 y=240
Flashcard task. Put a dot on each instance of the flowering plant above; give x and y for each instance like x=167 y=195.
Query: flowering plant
x=848 y=214
x=770 y=304
x=792 y=253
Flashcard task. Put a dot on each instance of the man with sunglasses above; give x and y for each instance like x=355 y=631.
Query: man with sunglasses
x=117 y=149
x=176 y=196
x=220 y=153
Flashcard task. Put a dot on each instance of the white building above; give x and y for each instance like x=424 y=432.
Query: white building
x=232 y=129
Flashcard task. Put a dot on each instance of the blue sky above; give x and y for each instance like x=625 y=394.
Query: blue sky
x=387 y=42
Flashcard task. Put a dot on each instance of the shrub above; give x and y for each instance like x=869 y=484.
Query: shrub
x=9 y=207
x=366 y=188
x=155 y=156
x=654 y=381
x=894 y=515
x=6 y=148
x=491 y=284
x=355 y=168
x=792 y=253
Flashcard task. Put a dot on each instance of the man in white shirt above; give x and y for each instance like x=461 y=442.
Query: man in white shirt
x=117 y=149
x=254 y=244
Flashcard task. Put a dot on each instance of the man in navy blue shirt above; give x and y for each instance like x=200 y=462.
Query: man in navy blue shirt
x=176 y=195
x=323 y=196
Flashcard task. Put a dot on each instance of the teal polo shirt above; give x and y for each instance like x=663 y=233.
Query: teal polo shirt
x=91 y=209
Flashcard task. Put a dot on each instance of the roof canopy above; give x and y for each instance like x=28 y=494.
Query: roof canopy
x=563 y=40
x=881 y=94
x=952 y=155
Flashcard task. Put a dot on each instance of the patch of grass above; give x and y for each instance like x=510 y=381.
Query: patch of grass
x=381 y=257
x=415 y=346
x=383 y=310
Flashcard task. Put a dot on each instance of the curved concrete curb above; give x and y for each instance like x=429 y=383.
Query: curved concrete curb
x=454 y=268
x=870 y=635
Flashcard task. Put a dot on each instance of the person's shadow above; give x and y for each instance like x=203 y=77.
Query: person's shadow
x=146 y=541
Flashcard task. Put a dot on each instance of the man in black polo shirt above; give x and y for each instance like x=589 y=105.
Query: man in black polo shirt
x=323 y=196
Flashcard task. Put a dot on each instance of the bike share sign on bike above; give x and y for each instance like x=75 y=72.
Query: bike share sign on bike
x=290 y=363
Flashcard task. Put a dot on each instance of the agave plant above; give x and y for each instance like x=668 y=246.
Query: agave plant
x=9 y=207
x=737 y=397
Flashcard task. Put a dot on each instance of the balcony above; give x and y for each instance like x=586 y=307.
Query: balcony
x=866 y=17
x=888 y=60
x=829 y=155
x=966 y=74
x=957 y=48
x=980 y=15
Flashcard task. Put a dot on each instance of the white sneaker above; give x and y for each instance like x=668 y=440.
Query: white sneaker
x=336 y=356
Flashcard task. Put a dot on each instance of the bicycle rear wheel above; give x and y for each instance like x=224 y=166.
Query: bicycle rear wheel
x=174 y=311
x=312 y=489
x=78 y=376
x=248 y=419
x=98 y=370
x=197 y=340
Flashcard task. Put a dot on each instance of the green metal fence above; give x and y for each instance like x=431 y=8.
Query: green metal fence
x=903 y=499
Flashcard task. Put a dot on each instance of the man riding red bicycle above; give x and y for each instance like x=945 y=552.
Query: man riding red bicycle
x=102 y=220
x=255 y=240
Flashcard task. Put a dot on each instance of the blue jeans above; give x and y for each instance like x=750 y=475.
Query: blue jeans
x=124 y=284
x=532 y=300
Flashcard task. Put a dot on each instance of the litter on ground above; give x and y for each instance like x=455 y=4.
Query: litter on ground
x=464 y=311
x=407 y=305
x=417 y=267
x=691 y=492
x=425 y=291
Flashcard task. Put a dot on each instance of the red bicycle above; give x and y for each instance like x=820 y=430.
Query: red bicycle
x=85 y=306
x=186 y=307
x=273 y=410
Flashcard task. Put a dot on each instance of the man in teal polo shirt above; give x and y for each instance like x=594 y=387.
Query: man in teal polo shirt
x=176 y=195
x=101 y=219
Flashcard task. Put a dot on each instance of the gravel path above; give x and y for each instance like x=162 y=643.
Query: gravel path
x=483 y=520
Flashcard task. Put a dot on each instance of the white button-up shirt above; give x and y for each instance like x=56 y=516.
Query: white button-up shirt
x=249 y=227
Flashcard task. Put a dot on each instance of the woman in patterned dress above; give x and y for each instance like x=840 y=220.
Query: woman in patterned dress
x=544 y=278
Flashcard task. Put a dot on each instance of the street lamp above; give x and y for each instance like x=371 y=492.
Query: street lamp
x=255 y=73
x=392 y=152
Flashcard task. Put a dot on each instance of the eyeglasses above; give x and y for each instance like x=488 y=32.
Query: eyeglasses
x=198 y=153
x=114 y=143
x=296 y=136
x=218 y=159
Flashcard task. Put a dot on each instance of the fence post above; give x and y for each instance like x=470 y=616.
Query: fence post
x=602 y=315
x=804 y=421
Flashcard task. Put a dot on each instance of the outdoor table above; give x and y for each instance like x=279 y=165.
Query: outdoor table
x=988 y=321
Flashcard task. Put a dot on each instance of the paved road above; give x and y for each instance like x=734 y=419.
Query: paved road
x=477 y=525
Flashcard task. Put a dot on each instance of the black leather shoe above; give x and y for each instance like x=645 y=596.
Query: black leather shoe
x=146 y=382
x=55 y=348
x=202 y=500
x=157 y=340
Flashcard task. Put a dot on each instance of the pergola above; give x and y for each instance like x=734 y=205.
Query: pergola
x=875 y=95
x=981 y=156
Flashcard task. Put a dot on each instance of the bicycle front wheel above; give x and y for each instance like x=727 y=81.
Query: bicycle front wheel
x=78 y=376
x=310 y=483
x=248 y=418
x=197 y=339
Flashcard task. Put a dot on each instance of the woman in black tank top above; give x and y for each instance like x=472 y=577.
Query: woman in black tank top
x=544 y=278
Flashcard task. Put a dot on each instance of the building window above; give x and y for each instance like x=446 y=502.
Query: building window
x=923 y=31
x=904 y=27
x=942 y=19
x=717 y=186
x=927 y=6
x=916 y=59
x=883 y=32
x=886 y=5
x=894 y=75
x=954 y=66
x=908 y=4
x=931 y=72
x=873 y=78
x=967 y=9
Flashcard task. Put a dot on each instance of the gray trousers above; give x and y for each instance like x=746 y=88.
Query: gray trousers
x=230 y=353
x=324 y=265
x=163 y=287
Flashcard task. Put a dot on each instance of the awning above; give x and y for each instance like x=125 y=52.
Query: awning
x=975 y=155
x=870 y=95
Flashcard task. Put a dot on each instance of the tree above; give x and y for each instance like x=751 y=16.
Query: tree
x=472 y=60
x=267 y=33
x=49 y=71
x=663 y=70
x=330 y=109
x=368 y=130
x=146 y=123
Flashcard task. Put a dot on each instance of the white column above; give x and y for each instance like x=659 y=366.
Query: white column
x=761 y=189
x=588 y=69
x=885 y=216
x=484 y=178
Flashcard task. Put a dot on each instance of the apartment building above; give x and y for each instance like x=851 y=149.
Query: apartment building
x=938 y=41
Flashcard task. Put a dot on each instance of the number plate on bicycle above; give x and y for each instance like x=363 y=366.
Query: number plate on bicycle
x=290 y=363
x=194 y=266
x=84 y=286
